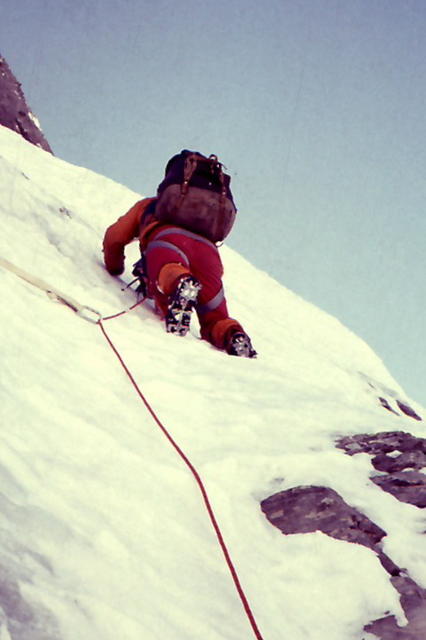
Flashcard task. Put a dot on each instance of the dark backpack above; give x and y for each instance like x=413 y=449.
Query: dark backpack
x=195 y=194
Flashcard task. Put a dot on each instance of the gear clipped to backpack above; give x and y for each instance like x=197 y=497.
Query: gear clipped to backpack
x=195 y=194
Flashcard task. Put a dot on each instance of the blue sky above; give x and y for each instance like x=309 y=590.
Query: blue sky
x=316 y=108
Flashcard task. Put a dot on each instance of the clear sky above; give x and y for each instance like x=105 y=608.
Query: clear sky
x=317 y=108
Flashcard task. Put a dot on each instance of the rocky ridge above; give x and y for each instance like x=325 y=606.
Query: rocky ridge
x=14 y=111
x=398 y=456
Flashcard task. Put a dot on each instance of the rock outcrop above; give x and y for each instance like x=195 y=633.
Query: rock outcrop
x=310 y=508
x=399 y=457
x=14 y=111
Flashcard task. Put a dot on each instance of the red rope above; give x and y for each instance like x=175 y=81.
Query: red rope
x=194 y=472
x=122 y=313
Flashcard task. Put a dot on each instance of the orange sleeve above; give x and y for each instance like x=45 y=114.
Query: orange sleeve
x=119 y=234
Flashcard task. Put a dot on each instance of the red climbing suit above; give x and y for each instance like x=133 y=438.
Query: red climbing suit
x=171 y=252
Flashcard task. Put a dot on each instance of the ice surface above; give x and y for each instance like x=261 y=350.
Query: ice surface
x=104 y=534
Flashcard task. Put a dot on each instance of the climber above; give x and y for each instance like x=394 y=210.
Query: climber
x=182 y=271
x=180 y=266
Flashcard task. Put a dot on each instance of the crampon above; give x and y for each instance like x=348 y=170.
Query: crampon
x=182 y=303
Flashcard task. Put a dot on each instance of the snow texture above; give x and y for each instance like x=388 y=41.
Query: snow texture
x=103 y=530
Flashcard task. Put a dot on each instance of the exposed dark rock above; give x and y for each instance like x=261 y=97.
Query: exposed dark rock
x=407 y=460
x=387 y=406
x=308 y=509
x=383 y=442
x=407 y=486
x=412 y=596
x=388 y=564
x=14 y=111
x=403 y=406
x=413 y=601
x=389 y=398
x=409 y=411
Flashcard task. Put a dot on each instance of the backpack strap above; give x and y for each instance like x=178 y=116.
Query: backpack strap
x=191 y=163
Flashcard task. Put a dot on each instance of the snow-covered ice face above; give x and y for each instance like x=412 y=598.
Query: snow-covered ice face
x=103 y=530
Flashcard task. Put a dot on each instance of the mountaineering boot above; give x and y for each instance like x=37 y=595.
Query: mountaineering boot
x=139 y=271
x=240 y=345
x=181 y=305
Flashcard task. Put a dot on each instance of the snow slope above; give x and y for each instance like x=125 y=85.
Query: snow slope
x=103 y=533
